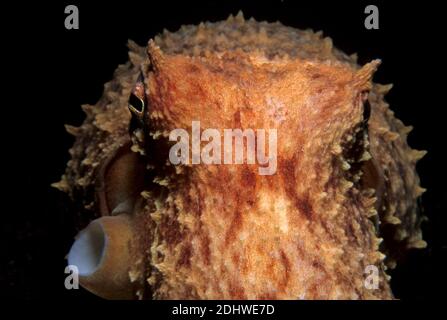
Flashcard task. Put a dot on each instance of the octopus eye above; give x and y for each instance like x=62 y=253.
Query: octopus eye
x=366 y=111
x=137 y=100
x=366 y=107
x=136 y=105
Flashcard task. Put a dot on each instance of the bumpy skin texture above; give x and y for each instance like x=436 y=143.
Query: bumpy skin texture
x=343 y=181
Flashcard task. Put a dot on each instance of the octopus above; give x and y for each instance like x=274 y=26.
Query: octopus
x=343 y=200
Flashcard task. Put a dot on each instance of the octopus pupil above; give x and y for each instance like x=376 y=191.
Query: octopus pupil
x=366 y=111
x=136 y=103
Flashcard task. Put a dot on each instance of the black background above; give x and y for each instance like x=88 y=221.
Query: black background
x=56 y=70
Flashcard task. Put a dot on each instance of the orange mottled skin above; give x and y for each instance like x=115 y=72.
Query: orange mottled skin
x=224 y=231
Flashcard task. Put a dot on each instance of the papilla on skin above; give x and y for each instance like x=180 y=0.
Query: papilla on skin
x=211 y=153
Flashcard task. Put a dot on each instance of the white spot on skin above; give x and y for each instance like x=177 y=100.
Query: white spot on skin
x=276 y=109
x=281 y=210
x=277 y=207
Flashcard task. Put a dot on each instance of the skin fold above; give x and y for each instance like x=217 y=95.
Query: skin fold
x=343 y=197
